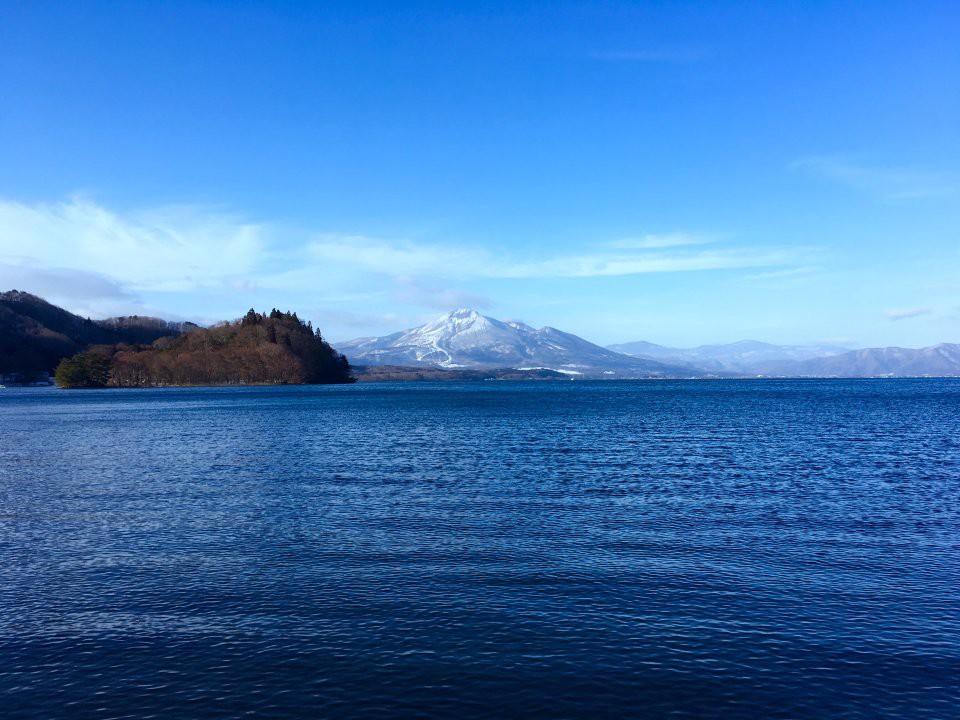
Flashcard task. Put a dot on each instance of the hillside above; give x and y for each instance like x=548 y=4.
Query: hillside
x=36 y=335
x=274 y=349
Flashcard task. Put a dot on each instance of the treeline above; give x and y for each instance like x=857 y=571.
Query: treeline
x=259 y=349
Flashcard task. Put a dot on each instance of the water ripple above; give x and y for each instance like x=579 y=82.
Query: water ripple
x=651 y=549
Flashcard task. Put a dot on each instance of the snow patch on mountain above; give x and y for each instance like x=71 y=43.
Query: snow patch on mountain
x=465 y=338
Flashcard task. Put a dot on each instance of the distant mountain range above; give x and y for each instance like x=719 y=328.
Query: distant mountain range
x=937 y=360
x=466 y=339
x=749 y=357
x=745 y=357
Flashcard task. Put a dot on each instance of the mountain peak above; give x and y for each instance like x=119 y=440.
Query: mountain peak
x=465 y=338
x=462 y=313
x=456 y=321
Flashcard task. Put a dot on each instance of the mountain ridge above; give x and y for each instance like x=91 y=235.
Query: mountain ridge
x=742 y=356
x=464 y=338
x=941 y=360
x=754 y=358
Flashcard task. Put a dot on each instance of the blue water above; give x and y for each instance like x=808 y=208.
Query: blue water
x=734 y=549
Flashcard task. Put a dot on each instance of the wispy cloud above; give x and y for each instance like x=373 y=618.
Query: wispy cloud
x=892 y=183
x=785 y=273
x=785 y=278
x=88 y=293
x=90 y=257
x=905 y=313
x=351 y=321
x=604 y=259
x=648 y=242
x=173 y=248
x=606 y=264
x=418 y=292
x=397 y=257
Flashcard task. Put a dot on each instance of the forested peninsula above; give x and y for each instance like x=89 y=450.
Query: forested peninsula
x=260 y=349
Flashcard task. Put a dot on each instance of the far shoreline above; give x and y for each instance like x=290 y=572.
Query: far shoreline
x=475 y=380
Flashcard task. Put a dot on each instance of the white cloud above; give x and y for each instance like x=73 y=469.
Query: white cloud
x=169 y=249
x=348 y=323
x=892 y=183
x=785 y=273
x=90 y=257
x=648 y=242
x=397 y=257
x=416 y=291
x=88 y=293
x=905 y=313
x=617 y=258
x=606 y=264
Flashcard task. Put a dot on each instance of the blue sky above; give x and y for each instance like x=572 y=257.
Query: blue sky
x=682 y=173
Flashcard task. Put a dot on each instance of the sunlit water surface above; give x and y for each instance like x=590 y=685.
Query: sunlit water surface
x=749 y=549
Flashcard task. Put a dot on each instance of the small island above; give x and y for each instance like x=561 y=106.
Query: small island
x=259 y=349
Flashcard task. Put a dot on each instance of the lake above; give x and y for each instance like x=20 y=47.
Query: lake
x=696 y=549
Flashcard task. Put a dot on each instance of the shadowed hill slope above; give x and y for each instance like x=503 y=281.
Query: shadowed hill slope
x=36 y=335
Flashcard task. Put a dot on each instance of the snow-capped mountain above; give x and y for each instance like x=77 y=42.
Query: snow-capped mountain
x=465 y=338
x=746 y=356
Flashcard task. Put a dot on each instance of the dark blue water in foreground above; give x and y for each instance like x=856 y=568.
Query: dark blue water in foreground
x=745 y=549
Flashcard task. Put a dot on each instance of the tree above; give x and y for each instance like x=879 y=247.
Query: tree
x=251 y=318
x=89 y=369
